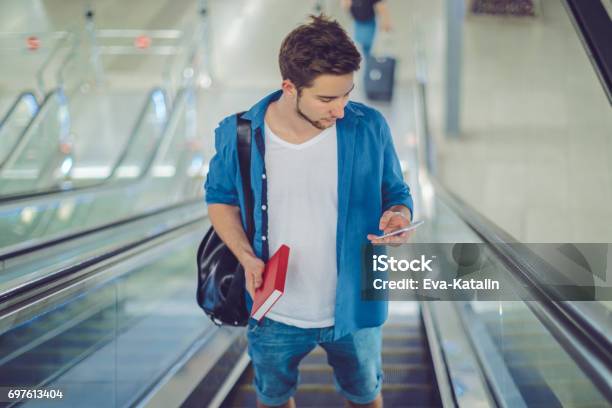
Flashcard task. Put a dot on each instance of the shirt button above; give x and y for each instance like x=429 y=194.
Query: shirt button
x=263 y=238
x=263 y=207
x=263 y=175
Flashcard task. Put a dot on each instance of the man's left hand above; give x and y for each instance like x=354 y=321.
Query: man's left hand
x=389 y=222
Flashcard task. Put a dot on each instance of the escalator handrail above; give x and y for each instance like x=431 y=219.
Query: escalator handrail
x=167 y=132
x=28 y=293
x=593 y=26
x=14 y=105
x=44 y=244
x=574 y=331
x=188 y=41
x=40 y=115
x=142 y=116
x=11 y=110
x=177 y=106
x=587 y=344
x=22 y=249
x=93 y=230
x=36 y=245
x=32 y=195
x=66 y=36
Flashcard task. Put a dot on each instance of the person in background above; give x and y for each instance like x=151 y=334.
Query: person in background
x=365 y=13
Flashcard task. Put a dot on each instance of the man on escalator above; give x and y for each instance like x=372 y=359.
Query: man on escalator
x=325 y=177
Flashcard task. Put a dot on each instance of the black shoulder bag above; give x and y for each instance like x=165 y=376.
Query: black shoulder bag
x=221 y=279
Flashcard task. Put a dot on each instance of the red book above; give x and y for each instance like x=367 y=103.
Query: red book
x=273 y=284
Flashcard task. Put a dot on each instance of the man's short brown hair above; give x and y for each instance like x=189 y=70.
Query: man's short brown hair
x=318 y=47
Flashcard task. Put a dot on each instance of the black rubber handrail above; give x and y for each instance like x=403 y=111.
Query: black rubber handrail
x=39 y=245
x=84 y=263
x=594 y=27
x=572 y=329
x=522 y=261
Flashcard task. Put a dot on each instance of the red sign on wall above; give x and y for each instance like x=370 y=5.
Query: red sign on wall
x=33 y=43
x=142 y=42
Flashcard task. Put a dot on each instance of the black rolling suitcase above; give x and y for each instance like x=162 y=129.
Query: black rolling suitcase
x=380 y=78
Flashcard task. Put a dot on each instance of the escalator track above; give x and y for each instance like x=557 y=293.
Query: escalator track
x=409 y=378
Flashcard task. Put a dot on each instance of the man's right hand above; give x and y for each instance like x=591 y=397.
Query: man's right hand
x=253 y=273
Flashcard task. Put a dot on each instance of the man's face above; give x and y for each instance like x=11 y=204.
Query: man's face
x=323 y=103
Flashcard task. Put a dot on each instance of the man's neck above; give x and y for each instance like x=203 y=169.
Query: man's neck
x=282 y=118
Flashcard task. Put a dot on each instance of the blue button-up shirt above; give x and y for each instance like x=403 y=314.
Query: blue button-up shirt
x=370 y=181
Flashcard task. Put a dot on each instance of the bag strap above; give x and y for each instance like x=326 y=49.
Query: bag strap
x=244 y=159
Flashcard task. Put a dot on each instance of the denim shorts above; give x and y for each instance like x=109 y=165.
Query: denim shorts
x=276 y=350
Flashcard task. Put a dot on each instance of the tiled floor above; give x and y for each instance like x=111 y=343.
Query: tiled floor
x=536 y=144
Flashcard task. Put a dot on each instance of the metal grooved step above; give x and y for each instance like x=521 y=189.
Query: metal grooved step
x=409 y=378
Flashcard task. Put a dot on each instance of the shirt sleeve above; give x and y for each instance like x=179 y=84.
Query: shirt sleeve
x=395 y=191
x=220 y=185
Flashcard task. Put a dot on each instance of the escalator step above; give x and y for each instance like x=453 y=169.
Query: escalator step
x=507 y=325
x=409 y=378
x=402 y=340
x=395 y=329
x=396 y=374
x=515 y=332
x=418 y=374
x=557 y=365
x=528 y=354
x=405 y=324
x=325 y=395
x=390 y=355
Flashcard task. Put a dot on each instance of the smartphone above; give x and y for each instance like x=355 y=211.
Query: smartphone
x=411 y=227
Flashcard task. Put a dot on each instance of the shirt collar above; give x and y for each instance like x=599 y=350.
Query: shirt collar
x=257 y=113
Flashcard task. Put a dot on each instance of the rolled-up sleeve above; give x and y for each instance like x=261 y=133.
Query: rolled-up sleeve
x=220 y=185
x=395 y=191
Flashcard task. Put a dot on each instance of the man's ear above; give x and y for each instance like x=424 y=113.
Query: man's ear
x=289 y=88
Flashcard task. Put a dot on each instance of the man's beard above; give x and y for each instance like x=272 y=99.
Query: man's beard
x=314 y=123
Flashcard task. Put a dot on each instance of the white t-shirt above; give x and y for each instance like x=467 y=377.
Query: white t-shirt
x=302 y=214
